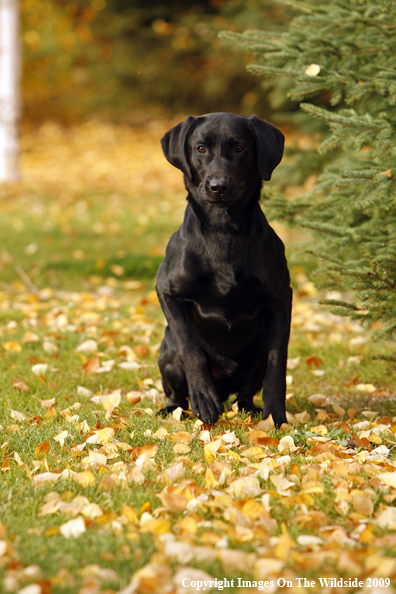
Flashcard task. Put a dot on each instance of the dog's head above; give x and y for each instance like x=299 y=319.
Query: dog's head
x=223 y=156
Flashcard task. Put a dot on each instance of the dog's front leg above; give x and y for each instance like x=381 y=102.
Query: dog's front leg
x=274 y=386
x=205 y=403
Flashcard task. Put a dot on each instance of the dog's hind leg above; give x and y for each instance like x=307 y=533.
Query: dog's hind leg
x=274 y=384
x=173 y=376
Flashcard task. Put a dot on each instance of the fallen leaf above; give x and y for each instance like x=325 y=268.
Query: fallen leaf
x=42 y=448
x=313 y=360
x=248 y=486
x=370 y=388
x=134 y=397
x=85 y=478
x=92 y=365
x=18 y=416
x=19 y=383
x=30 y=337
x=181 y=448
x=88 y=346
x=172 y=499
x=40 y=369
x=12 y=346
x=388 y=478
x=73 y=528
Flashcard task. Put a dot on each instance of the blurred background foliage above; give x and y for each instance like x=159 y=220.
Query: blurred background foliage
x=127 y=60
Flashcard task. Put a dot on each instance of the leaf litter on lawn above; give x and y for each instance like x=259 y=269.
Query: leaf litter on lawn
x=124 y=501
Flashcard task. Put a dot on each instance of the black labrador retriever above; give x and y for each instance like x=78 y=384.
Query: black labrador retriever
x=224 y=286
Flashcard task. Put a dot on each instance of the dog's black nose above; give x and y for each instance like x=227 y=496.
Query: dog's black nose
x=218 y=186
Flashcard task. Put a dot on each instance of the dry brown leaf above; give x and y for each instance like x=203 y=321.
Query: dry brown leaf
x=19 y=384
x=134 y=397
x=30 y=337
x=141 y=350
x=18 y=416
x=182 y=436
x=248 y=486
x=172 y=499
x=91 y=366
x=42 y=448
x=107 y=483
x=313 y=361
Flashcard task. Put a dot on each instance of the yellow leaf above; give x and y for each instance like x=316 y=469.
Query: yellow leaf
x=210 y=480
x=374 y=438
x=156 y=527
x=233 y=456
x=51 y=413
x=12 y=346
x=319 y=429
x=85 y=479
x=110 y=402
x=30 y=337
x=254 y=452
x=92 y=511
x=161 y=433
x=211 y=448
x=366 y=388
x=285 y=543
x=104 y=435
x=129 y=513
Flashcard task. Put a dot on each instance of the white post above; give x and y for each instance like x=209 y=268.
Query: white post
x=9 y=90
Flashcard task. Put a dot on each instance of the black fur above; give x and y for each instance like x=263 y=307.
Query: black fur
x=224 y=286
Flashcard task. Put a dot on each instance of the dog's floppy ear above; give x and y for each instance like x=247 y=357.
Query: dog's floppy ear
x=270 y=142
x=175 y=145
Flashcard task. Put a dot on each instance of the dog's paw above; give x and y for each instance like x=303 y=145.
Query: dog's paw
x=205 y=404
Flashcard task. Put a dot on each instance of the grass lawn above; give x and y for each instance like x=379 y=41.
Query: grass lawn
x=97 y=493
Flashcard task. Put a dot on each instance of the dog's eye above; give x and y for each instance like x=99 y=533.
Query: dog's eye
x=239 y=148
x=201 y=148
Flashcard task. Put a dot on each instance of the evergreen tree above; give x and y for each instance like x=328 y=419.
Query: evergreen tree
x=341 y=57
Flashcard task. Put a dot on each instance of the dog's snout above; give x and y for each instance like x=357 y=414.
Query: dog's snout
x=219 y=185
